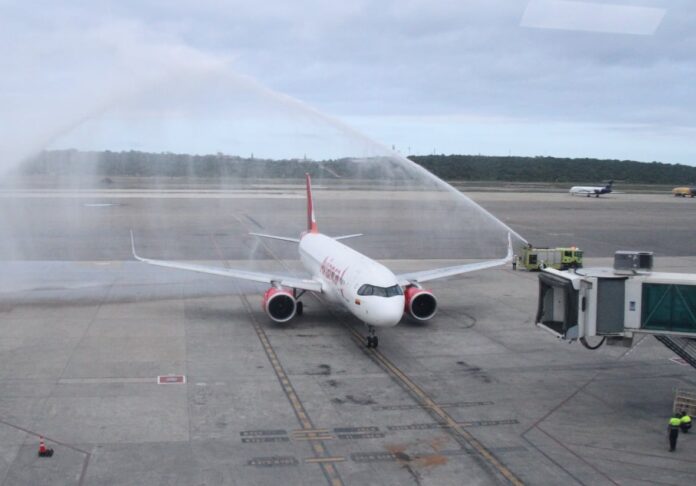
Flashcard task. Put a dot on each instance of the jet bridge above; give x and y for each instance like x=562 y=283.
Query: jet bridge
x=613 y=305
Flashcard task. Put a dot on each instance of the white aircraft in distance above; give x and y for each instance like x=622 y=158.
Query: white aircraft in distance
x=366 y=288
x=595 y=191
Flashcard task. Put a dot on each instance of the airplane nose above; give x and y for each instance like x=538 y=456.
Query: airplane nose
x=386 y=312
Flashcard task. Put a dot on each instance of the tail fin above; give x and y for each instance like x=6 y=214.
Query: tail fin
x=311 y=221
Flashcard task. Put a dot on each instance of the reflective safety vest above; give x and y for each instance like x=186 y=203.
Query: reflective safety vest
x=686 y=419
x=674 y=422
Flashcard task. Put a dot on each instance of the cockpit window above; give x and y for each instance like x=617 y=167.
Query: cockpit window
x=368 y=289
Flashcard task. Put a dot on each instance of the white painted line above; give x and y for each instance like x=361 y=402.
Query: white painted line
x=171 y=380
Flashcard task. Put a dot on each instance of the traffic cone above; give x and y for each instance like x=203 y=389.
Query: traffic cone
x=43 y=450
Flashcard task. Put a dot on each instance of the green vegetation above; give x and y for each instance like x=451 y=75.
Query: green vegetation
x=448 y=167
x=553 y=169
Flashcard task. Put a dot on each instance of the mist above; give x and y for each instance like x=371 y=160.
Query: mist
x=198 y=140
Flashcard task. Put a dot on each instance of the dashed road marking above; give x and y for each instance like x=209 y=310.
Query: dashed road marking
x=258 y=433
x=273 y=461
x=364 y=435
x=378 y=408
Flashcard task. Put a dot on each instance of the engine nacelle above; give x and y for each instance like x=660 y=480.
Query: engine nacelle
x=421 y=304
x=279 y=304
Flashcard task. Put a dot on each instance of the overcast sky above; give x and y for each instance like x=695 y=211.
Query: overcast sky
x=607 y=79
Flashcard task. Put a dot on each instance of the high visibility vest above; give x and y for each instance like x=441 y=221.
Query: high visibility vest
x=674 y=422
x=686 y=419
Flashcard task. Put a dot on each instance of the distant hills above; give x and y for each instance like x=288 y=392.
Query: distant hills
x=447 y=167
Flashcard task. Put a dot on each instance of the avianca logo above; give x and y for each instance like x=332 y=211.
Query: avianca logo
x=332 y=272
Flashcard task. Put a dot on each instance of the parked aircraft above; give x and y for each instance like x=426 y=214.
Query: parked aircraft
x=366 y=288
x=592 y=190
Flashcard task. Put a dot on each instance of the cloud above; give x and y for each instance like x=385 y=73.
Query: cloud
x=63 y=71
x=393 y=58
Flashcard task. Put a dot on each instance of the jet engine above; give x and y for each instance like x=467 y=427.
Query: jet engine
x=279 y=304
x=421 y=304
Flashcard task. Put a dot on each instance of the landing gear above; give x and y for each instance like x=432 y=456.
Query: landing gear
x=299 y=306
x=372 y=339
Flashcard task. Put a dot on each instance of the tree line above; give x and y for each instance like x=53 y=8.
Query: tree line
x=553 y=169
x=447 y=167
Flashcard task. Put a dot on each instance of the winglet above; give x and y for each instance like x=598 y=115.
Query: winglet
x=510 y=253
x=135 y=255
x=311 y=220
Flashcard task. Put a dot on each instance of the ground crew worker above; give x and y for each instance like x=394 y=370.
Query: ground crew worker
x=514 y=262
x=685 y=422
x=674 y=424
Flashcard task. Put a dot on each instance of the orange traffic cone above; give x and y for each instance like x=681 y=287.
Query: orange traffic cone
x=43 y=450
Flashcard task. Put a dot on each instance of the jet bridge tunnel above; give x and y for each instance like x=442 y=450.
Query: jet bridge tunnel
x=594 y=305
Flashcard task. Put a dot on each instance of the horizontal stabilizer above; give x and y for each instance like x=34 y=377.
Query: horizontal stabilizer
x=345 y=237
x=273 y=237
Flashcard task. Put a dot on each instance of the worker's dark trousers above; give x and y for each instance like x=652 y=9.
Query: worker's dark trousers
x=673 y=434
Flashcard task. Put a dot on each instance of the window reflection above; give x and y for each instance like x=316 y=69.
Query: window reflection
x=368 y=289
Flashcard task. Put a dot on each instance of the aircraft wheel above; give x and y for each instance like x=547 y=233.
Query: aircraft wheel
x=375 y=342
x=300 y=308
x=369 y=341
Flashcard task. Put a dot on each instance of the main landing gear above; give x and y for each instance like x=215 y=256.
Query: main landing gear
x=372 y=339
x=299 y=309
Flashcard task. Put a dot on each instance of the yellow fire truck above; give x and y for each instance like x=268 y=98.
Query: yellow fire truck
x=559 y=258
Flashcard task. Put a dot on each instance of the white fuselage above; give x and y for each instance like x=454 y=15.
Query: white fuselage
x=344 y=271
x=587 y=190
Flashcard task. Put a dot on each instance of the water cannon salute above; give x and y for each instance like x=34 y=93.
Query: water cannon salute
x=321 y=243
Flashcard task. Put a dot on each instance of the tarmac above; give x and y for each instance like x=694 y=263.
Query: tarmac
x=478 y=395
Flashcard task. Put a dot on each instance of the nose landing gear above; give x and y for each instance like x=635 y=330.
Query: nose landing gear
x=372 y=339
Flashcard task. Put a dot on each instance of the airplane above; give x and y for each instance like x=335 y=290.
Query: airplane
x=592 y=190
x=366 y=288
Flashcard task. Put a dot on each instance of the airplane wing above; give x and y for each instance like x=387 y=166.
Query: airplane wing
x=261 y=277
x=444 y=272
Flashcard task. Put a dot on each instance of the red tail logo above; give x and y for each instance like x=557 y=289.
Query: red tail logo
x=311 y=221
